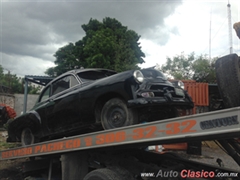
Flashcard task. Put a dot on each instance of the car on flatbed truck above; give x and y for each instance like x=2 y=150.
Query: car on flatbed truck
x=87 y=100
x=120 y=153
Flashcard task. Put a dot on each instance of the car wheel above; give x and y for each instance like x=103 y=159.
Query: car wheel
x=27 y=137
x=116 y=114
x=228 y=79
x=102 y=174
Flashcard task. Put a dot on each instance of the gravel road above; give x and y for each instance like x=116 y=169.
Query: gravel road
x=210 y=156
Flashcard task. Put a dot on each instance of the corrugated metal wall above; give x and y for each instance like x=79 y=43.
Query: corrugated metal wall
x=198 y=92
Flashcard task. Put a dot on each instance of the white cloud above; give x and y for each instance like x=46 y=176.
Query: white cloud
x=192 y=20
x=25 y=65
x=32 y=32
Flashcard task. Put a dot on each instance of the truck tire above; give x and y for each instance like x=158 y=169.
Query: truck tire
x=102 y=174
x=228 y=79
x=115 y=113
x=27 y=137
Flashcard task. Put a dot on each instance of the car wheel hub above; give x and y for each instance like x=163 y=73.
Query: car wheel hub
x=117 y=117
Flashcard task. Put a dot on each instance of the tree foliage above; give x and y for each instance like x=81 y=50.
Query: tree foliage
x=179 y=66
x=191 y=67
x=107 y=44
x=11 y=83
x=204 y=70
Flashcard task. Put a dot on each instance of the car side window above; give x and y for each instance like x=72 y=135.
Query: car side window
x=45 y=95
x=63 y=84
x=73 y=81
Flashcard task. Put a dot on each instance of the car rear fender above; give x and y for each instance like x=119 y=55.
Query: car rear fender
x=34 y=121
x=30 y=120
x=33 y=115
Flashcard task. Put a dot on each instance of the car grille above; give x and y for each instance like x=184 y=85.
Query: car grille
x=159 y=89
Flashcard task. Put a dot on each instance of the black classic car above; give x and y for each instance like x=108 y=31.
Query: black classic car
x=88 y=100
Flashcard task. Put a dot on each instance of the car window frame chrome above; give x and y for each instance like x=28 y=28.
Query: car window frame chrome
x=55 y=80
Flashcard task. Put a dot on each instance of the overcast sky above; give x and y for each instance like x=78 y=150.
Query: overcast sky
x=31 y=31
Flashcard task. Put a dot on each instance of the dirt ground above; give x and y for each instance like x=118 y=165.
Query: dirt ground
x=11 y=169
x=210 y=155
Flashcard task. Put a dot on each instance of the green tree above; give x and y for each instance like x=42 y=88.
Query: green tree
x=66 y=59
x=107 y=44
x=179 y=67
x=204 y=69
x=11 y=83
x=191 y=67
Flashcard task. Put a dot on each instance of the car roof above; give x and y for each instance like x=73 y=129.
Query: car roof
x=75 y=71
x=88 y=69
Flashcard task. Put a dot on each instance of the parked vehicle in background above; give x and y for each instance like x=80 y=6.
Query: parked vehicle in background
x=88 y=100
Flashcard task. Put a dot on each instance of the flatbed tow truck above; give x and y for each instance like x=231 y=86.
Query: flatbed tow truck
x=120 y=154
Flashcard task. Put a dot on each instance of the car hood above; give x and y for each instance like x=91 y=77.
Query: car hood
x=115 y=78
x=157 y=80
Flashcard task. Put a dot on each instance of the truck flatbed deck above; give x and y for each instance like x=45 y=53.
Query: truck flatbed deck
x=103 y=146
x=206 y=126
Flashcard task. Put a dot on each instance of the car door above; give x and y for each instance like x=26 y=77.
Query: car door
x=63 y=115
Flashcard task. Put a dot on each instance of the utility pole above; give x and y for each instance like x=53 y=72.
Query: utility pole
x=229 y=26
x=9 y=79
x=210 y=35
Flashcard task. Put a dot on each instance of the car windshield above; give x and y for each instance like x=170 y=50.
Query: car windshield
x=153 y=73
x=94 y=75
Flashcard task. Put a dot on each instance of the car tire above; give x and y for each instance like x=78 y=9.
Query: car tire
x=115 y=113
x=102 y=174
x=228 y=79
x=27 y=137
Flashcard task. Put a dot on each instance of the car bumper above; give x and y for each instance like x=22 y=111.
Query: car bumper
x=160 y=101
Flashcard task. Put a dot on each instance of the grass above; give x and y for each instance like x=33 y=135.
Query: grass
x=5 y=145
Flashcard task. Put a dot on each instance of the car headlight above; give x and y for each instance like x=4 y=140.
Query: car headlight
x=181 y=84
x=138 y=76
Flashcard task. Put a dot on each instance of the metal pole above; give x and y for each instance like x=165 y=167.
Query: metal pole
x=50 y=170
x=210 y=34
x=230 y=28
x=25 y=96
